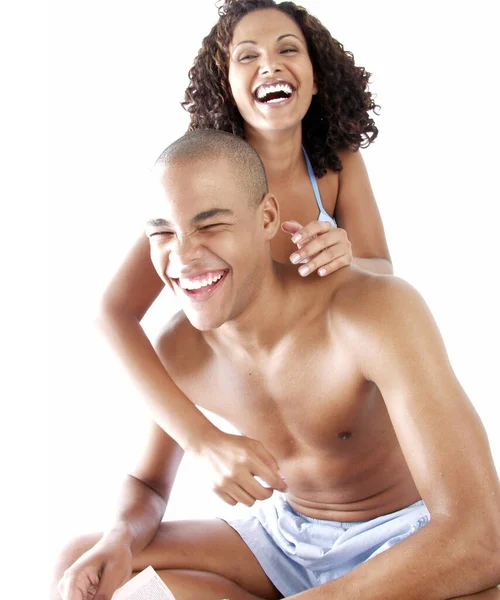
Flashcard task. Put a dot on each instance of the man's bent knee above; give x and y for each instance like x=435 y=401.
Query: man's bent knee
x=200 y=585
x=76 y=548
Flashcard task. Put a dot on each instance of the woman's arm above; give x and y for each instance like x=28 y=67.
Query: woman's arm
x=126 y=300
x=232 y=459
x=359 y=238
x=357 y=212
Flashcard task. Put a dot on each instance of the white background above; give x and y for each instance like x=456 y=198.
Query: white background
x=118 y=70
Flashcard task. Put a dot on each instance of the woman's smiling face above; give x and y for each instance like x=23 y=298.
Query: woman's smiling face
x=270 y=72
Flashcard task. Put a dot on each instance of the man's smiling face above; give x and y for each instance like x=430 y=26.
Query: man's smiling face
x=207 y=240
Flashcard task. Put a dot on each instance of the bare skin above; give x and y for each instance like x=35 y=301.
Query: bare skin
x=308 y=450
x=276 y=134
x=203 y=560
x=136 y=285
x=353 y=472
x=347 y=382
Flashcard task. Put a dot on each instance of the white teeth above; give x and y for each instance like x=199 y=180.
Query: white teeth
x=196 y=284
x=264 y=90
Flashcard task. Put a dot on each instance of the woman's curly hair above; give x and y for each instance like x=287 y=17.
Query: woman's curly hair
x=338 y=115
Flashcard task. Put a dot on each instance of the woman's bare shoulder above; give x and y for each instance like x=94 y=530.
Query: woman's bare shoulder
x=330 y=184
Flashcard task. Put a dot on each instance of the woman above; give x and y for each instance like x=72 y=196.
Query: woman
x=277 y=78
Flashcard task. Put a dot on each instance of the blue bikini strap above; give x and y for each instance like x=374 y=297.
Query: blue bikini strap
x=314 y=183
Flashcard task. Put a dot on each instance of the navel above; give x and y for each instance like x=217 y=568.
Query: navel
x=344 y=435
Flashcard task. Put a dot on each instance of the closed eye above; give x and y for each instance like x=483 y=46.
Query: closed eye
x=206 y=227
x=285 y=51
x=248 y=56
x=153 y=233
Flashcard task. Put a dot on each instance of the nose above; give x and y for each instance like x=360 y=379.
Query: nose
x=184 y=249
x=270 y=64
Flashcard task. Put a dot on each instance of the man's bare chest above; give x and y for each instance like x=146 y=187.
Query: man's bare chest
x=305 y=396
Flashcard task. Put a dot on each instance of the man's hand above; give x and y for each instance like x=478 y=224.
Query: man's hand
x=325 y=247
x=235 y=461
x=98 y=573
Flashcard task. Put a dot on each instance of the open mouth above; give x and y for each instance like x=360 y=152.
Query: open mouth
x=200 y=288
x=274 y=93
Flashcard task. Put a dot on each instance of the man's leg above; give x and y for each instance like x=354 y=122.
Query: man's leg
x=491 y=594
x=197 y=585
x=199 y=559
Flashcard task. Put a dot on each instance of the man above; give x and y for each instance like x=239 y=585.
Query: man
x=391 y=488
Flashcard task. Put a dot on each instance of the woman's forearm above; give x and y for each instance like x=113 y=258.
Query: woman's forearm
x=380 y=266
x=170 y=407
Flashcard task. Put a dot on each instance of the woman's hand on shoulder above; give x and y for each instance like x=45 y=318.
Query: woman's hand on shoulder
x=324 y=247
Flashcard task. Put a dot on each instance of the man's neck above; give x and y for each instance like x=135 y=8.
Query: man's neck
x=264 y=321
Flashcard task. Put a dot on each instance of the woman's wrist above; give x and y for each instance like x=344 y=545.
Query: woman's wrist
x=205 y=434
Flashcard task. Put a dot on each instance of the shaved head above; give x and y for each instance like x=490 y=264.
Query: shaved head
x=206 y=145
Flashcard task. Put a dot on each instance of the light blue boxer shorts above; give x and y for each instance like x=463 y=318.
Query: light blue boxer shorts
x=299 y=553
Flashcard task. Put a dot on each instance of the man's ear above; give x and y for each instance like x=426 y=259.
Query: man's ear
x=270 y=216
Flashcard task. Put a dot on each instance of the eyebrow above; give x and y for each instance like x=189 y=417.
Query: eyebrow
x=278 y=39
x=203 y=216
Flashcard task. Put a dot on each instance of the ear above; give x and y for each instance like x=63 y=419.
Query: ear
x=269 y=211
x=315 y=88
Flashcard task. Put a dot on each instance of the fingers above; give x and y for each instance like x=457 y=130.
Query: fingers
x=234 y=494
x=334 y=265
x=241 y=487
x=78 y=585
x=290 y=226
x=272 y=478
x=243 y=470
x=266 y=457
x=111 y=579
x=226 y=498
x=333 y=237
x=262 y=474
x=73 y=586
x=267 y=469
x=311 y=230
x=327 y=252
x=249 y=491
x=325 y=264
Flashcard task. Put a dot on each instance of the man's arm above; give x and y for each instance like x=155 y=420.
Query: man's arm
x=104 y=567
x=447 y=451
x=146 y=490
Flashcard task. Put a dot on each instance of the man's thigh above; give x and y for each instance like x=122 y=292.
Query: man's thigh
x=211 y=546
x=491 y=594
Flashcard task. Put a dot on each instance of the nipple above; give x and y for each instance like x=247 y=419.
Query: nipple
x=344 y=435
